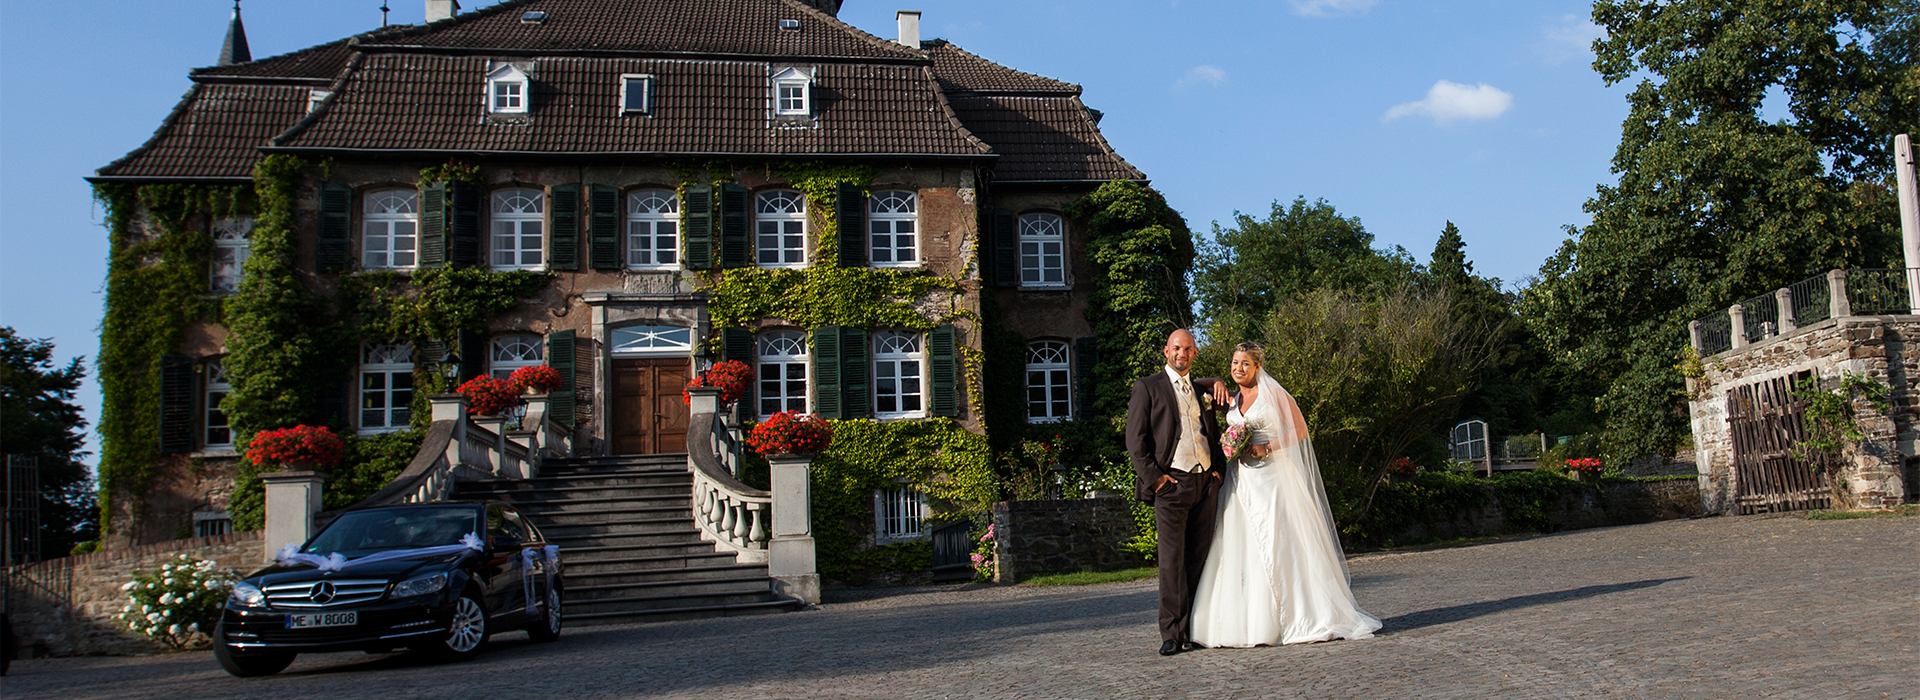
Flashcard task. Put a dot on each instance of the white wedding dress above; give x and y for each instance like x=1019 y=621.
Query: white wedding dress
x=1275 y=573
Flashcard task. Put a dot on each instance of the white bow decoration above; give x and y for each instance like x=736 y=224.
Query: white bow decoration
x=290 y=554
x=550 y=555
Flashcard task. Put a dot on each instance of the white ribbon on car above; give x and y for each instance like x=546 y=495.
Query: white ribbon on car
x=549 y=556
x=291 y=554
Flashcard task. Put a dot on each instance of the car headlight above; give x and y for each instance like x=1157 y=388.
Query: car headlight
x=420 y=585
x=247 y=595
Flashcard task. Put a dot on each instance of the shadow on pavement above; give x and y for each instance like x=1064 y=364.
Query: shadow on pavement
x=1456 y=613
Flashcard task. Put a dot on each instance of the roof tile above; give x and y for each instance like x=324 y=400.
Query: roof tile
x=1041 y=138
x=216 y=132
x=738 y=27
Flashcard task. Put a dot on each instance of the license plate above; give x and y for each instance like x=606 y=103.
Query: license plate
x=332 y=619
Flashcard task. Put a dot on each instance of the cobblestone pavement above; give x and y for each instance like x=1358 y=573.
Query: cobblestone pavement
x=1715 y=608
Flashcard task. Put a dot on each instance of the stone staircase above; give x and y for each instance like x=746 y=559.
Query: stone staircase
x=632 y=550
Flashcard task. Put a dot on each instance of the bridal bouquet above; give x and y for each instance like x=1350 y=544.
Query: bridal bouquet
x=1234 y=439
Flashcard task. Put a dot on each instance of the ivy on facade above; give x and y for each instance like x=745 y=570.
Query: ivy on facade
x=1142 y=253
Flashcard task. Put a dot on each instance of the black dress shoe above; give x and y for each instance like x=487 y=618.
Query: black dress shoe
x=1191 y=645
x=1170 y=647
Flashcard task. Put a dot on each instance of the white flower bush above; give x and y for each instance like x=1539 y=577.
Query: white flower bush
x=177 y=603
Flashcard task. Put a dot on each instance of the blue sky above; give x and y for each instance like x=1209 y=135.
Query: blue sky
x=1403 y=113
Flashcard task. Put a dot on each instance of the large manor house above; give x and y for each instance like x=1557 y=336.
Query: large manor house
x=645 y=156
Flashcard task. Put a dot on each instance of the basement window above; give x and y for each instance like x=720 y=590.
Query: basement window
x=636 y=94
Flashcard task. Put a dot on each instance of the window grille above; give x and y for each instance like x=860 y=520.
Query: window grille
x=519 y=221
x=780 y=220
x=1042 y=251
x=892 y=218
x=230 y=248
x=654 y=340
x=783 y=372
x=386 y=387
x=899 y=379
x=653 y=230
x=899 y=513
x=391 y=224
x=218 y=433
x=1048 y=385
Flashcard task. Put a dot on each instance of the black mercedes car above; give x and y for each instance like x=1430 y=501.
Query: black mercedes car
x=432 y=577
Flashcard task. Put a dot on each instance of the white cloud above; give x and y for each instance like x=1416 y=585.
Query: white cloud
x=1328 y=8
x=1211 y=75
x=1569 y=36
x=1449 y=101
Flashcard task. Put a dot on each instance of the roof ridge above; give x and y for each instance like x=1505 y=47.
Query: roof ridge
x=856 y=31
x=457 y=19
x=229 y=71
x=1064 y=86
x=946 y=108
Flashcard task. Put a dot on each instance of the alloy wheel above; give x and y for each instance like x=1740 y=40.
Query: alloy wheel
x=469 y=626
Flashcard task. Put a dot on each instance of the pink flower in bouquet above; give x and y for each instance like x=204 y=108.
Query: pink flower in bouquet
x=1234 y=439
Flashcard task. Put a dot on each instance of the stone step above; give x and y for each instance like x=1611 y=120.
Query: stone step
x=573 y=543
x=644 y=525
x=680 y=601
x=683 y=511
x=646 y=562
x=660 y=575
x=600 y=553
x=545 y=508
x=737 y=584
x=523 y=493
x=562 y=484
x=780 y=605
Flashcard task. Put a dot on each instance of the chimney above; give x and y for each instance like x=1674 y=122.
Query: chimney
x=442 y=9
x=909 y=28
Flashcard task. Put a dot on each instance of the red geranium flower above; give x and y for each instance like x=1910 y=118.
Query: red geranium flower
x=539 y=378
x=791 y=432
x=301 y=444
x=731 y=377
x=487 y=396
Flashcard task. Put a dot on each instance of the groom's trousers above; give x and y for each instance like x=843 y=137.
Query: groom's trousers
x=1183 y=515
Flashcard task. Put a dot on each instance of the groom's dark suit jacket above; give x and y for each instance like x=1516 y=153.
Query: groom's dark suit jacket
x=1153 y=430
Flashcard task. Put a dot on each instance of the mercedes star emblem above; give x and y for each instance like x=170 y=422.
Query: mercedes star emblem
x=321 y=592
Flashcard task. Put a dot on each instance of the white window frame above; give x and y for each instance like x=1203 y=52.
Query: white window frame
x=642 y=81
x=315 y=98
x=792 y=93
x=1050 y=362
x=780 y=215
x=1043 y=240
x=649 y=213
x=654 y=341
x=509 y=90
x=900 y=514
x=387 y=361
x=390 y=211
x=901 y=357
x=782 y=355
x=232 y=242
x=511 y=352
x=514 y=212
x=217 y=432
x=893 y=215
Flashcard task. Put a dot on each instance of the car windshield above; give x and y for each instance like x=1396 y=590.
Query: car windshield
x=395 y=528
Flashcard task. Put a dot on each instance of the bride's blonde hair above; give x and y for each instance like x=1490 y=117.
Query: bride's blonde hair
x=1253 y=350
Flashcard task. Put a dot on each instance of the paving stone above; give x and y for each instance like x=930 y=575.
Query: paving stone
x=1714 y=608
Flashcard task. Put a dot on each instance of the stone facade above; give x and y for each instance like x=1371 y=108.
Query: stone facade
x=91 y=583
x=1877 y=472
x=1032 y=538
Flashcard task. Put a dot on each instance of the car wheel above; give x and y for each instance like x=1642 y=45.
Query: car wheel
x=547 y=628
x=247 y=664
x=466 y=633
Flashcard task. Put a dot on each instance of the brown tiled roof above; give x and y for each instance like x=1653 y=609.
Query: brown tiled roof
x=961 y=71
x=315 y=62
x=733 y=27
x=215 y=132
x=425 y=102
x=1041 y=138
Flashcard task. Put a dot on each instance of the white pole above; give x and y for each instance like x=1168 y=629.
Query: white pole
x=1909 y=217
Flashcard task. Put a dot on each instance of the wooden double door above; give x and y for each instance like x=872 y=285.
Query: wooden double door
x=649 y=415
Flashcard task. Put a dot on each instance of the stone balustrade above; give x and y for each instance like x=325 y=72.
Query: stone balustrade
x=756 y=525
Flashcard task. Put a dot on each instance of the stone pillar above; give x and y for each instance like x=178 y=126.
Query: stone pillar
x=1693 y=334
x=1839 y=306
x=498 y=426
x=293 y=498
x=1908 y=192
x=705 y=399
x=536 y=421
x=1739 y=331
x=790 y=559
x=1783 y=300
x=451 y=407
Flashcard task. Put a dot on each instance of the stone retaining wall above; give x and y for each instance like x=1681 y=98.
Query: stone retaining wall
x=1032 y=538
x=1618 y=503
x=83 y=623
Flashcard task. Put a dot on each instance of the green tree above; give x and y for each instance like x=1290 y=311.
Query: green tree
x=1249 y=270
x=39 y=419
x=1714 y=203
x=1510 y=390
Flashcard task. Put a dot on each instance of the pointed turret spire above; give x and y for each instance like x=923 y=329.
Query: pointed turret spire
x=235 y=48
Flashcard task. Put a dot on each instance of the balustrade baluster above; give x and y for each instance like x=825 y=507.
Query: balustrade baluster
x=757 y=534
x=730 y=518
x=739 y=529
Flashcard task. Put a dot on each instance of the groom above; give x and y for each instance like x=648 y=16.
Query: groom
x=1174 y=441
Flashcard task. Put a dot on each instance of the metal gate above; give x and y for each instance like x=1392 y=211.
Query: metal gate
x=1767 y=424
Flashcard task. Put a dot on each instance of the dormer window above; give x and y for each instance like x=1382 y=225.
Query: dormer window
x=791 y=88
x=636 y=94
x=507 y=90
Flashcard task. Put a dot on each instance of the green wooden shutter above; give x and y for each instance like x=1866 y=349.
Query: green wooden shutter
x=696 y=226
x=826 y=372
x=473 y=354
x=736 y=235
x=433 y=225
x=856 y=397
x=176 y=404
x=335 y=238
x=560 y=401
x=563 y=241
x=737 y=344
x=1086 y=353
x=851 y=207
x=943 y=364
x=1006 y=248
x=603 y=227
x=463 y=223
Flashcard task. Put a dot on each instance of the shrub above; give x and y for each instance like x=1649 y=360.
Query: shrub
x=176 y=602
x=790 y=432
x=983 y=557
x=488 y=396
x=731 y=377
x=301 y=444
x=539 y=378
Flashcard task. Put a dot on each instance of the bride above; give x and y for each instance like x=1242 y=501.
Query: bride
x=1275 y=573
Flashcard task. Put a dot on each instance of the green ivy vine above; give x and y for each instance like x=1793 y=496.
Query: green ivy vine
x=1142 y=253
x=937 y=457
x=450 y=171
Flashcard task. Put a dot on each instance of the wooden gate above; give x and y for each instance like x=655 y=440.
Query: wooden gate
x=1767 y=424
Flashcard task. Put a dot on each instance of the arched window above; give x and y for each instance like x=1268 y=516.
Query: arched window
x=511 y=352
x=653 y=230
x=386 y=387
x=219 y=435
x=519 y=218
x=899 y=379
x=230 y=247
x=1043 y=242
x=652 y=340
x=392 y=230
x=1048 y=390
x=783 y=372
x=892 y=235
x=780 y=220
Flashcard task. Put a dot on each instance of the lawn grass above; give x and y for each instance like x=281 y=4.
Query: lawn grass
x=1900 y=512
x=1091 y=577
